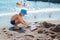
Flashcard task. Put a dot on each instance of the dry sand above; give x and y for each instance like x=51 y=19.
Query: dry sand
x=44 y=31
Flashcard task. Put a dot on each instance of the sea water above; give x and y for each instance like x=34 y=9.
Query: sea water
x=10 y=7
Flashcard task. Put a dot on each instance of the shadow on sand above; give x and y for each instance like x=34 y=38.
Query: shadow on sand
x=20 y=30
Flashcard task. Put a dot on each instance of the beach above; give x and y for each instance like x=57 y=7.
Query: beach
x=46 y=30
x=44 y=16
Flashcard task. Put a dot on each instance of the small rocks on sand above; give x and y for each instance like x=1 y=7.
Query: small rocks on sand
x=44 y=31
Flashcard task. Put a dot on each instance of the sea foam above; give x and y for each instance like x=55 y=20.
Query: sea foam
x=45 y=10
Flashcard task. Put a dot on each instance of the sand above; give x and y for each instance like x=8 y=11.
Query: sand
x=44 y=31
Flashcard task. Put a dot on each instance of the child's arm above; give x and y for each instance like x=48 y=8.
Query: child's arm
x=22 y=21
x=26 y=23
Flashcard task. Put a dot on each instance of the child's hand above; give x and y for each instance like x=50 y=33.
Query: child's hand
x=28 y=25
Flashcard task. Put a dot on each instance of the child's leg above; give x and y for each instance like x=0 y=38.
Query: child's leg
x=16 y=24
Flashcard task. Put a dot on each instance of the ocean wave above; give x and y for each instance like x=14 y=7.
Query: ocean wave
x=47 y=10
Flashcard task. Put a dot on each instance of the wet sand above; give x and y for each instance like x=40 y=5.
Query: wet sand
x=45 y=31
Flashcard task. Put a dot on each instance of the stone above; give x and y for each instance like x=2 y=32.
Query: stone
x=57 y=28
x=48 y=25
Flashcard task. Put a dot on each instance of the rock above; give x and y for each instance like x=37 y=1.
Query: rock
x=48 y=25
x=57 y=28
